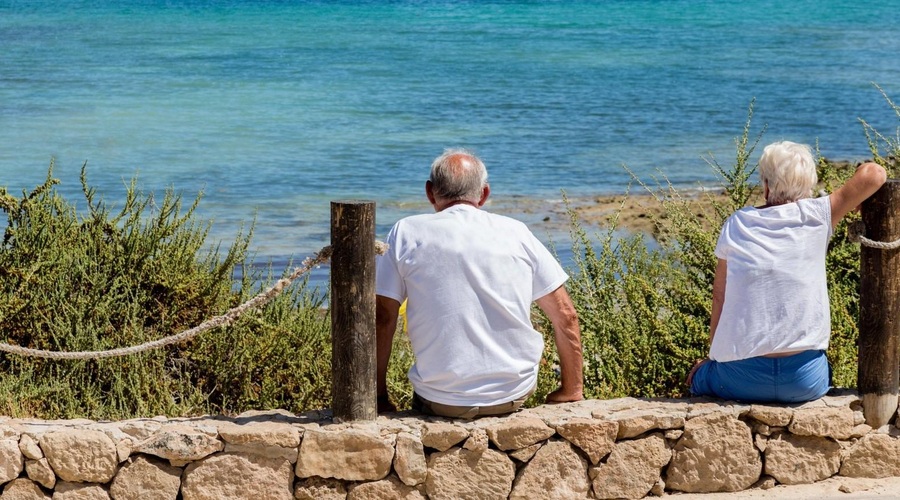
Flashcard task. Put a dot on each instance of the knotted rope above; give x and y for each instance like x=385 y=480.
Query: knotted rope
x=229 y=317
x=855 y=234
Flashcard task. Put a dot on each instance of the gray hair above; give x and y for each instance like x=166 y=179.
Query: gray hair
x=458 y=175
x=790 y=171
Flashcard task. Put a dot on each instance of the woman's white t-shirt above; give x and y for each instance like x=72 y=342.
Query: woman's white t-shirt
x=470 y=277
x=776 y=296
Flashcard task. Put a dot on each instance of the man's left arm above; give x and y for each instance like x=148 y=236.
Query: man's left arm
x=386 y=313
x=558 y=306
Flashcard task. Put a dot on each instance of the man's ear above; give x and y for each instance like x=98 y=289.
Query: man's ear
x=429 y=192
x=485 y=193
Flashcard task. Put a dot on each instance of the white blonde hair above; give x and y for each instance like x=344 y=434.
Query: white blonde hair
x=788 y=168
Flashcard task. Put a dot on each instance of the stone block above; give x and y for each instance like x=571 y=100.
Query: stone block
x=349 y=454
x=275 y=434
x=386 y=489
x=478 y=440
x=23 y=489
x=525 y=454
x=796 y=459
x=557 y=472
x=40 y=472
x=442 y=435
x=716 y=453
x=773 y=416
x=596 y=437
x=633 y=423
x=180 y=444
x=77 y=491
x=837 y=423
x=409 y=459
x=459 y=473
x=146 y=478
x=238 y=477
x=29 y=447
x=515 y=433
x=11 y=460
x=632 y=469
x=874 y=456
x=80 y=456
x=317 y=488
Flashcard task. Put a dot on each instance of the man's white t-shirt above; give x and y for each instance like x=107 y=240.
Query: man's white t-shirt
x=776 y=296
x=470 y=278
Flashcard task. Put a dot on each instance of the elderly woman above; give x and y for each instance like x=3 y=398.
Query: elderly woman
x=770 y=321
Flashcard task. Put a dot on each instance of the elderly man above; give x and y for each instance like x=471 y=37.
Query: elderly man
x=470 y=278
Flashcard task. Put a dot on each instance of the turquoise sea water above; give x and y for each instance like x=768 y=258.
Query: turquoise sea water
x=273 y=109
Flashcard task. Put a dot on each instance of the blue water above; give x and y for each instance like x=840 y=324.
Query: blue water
x=273 y=109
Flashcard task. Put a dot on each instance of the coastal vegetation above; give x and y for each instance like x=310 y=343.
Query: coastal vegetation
x=106 y=277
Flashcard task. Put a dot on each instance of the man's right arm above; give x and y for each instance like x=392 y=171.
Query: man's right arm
x=558 y=306
x=386 y=313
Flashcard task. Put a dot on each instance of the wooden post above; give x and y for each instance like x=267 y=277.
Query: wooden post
x=879 y=308
x=353 y=361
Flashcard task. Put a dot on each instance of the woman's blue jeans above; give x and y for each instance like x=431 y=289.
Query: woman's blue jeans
x=792 y=379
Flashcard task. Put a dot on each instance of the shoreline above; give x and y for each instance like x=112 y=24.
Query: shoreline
x=636 y=208
x=636 y=212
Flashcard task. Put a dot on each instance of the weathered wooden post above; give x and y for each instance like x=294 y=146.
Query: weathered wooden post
x=879 y=307
x=353 y=310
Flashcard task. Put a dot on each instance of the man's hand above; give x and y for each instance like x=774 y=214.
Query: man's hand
x=562 y=396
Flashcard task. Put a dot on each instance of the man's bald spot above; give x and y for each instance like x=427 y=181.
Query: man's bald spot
x=461 y=163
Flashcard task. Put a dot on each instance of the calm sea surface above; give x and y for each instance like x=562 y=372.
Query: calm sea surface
x=273 y=109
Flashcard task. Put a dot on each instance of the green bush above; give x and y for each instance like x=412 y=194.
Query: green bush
x=105 y=279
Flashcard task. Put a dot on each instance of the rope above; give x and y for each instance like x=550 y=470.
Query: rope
x=855 y=234
x=229 y=317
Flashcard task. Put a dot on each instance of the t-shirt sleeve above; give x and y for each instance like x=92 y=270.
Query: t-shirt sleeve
x=388 y=281
x=721 y=250
x=548 y=274
x=824 y=205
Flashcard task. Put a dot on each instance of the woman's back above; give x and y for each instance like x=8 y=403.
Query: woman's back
x=776 y=300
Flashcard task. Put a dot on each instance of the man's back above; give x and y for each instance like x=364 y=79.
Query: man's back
x=470 y=278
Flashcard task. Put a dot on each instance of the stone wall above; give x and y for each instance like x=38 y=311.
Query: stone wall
x=623 y=448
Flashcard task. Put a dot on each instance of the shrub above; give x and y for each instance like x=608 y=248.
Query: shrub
x=106 y=278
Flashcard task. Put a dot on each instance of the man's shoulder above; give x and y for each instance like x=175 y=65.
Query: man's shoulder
x=504 y=219
x=414 y=220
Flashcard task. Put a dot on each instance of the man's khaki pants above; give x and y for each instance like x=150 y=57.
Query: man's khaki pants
x=423 y=405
